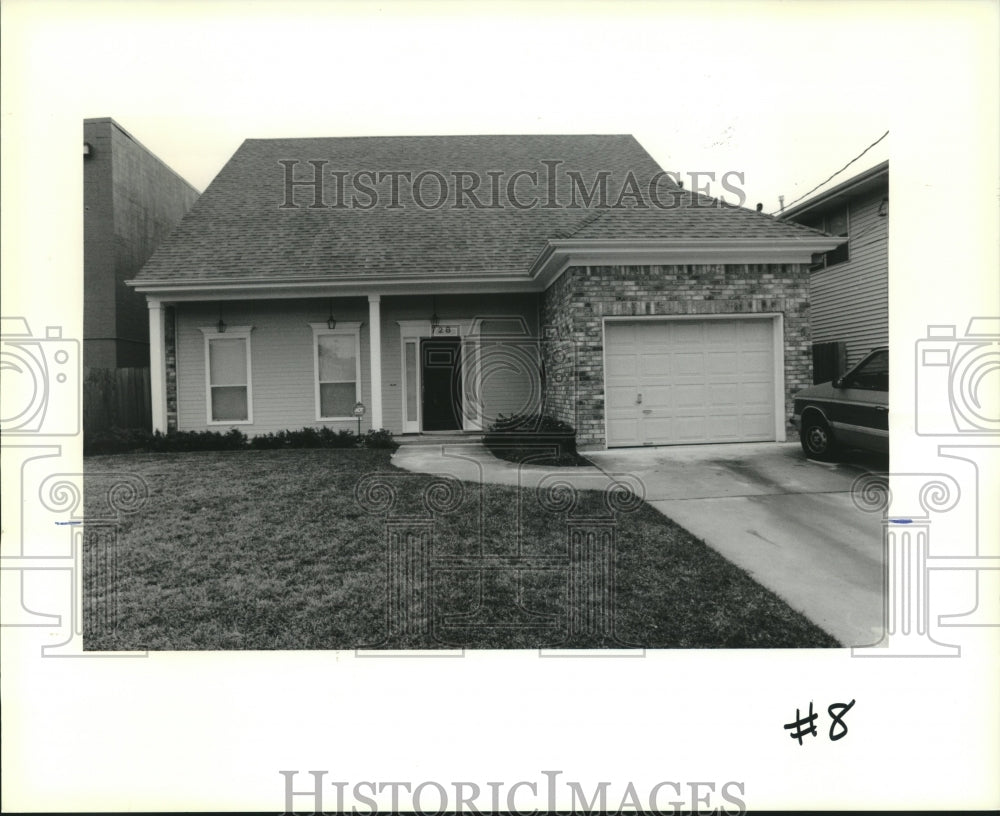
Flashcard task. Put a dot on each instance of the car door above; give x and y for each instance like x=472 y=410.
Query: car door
x=862 y=414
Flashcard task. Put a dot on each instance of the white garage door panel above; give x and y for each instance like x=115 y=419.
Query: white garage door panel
x=755 y=331
x=691 y=363
x=684 y=333
x=686 y=396
x=623 y=365
x=655 y=365
x=621 y=397
x=724 y=364
x=622 y=431
x=699 y=381
x=723 y=394
x=757 y=425
x=759 y=395
x=657 y=396
x=685 y=429
x=725 y=427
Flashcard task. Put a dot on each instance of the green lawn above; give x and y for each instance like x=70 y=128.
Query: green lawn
x=270 y=550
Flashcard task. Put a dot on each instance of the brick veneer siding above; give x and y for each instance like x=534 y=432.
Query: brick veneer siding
x=573 y=308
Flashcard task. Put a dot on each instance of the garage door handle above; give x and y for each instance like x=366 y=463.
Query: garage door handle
x=638 y=399
x=647 y=410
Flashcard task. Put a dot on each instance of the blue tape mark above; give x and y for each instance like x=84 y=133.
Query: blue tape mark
x=68 y=522
x=901 y=521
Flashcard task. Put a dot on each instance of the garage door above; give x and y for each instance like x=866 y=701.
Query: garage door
x=679 y=382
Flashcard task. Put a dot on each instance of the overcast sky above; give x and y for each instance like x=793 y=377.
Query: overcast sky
x=784 y=93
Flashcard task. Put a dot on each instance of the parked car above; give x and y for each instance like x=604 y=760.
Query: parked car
x=850 y=412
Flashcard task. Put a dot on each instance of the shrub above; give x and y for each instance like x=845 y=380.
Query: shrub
x=233 y=439
x=381 y=438
x=517 y=436
x=533 y=424
x=306 y=438
x=117 y=440
x=343 y=439
x=130 y=440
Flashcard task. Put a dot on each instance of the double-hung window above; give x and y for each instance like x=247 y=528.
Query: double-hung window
x=229 y=393
x=336 y=369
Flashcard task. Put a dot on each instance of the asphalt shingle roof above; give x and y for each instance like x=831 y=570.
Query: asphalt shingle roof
x=239 y=229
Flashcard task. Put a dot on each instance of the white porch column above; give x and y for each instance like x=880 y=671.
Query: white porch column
x=375 y=349
x=157 y=366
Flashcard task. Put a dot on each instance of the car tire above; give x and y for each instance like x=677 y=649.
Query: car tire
x=817 y=439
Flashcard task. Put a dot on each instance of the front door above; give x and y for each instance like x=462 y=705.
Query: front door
x=441 y=375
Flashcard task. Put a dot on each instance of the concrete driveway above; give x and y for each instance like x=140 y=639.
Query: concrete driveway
x=786 y=520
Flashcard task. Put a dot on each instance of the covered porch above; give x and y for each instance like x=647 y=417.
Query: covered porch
x=413 y=363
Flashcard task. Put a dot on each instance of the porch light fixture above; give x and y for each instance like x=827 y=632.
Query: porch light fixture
x=330 y=322
x=434 y=312
x=883 y=208
x=221 y=325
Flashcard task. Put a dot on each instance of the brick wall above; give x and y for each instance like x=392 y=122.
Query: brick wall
x=573 y=308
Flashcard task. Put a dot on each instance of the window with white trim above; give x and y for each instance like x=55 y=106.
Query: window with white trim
x=229 y=394
x=337 y=369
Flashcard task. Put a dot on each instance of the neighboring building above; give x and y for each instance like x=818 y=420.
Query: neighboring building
x=313 y=274
x=849 y=286
x=131 y=202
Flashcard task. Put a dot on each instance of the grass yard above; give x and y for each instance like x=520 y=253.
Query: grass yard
x=270 y=550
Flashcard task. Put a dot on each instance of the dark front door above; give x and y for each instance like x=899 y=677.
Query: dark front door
x=441 y=374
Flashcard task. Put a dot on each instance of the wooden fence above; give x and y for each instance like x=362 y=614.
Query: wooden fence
x=116 y=398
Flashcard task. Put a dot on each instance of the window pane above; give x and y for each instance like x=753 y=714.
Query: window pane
x=229 y=403
x=836 y=222
x=337 y=399
x=838 y=255
x=336 y=358
x=227 y=361
x=411 y=382
x=874 y=373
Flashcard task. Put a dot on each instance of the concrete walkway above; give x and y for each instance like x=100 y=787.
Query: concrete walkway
x=788 y=521
x=472 y=462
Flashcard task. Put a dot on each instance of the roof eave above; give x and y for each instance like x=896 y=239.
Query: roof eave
x=313 y=287
x=556 y=256
x=609 y=252
x=860 y=183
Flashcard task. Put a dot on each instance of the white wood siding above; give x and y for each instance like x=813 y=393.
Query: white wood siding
x=282 y=355
x=511 y=382
x=850 y=301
